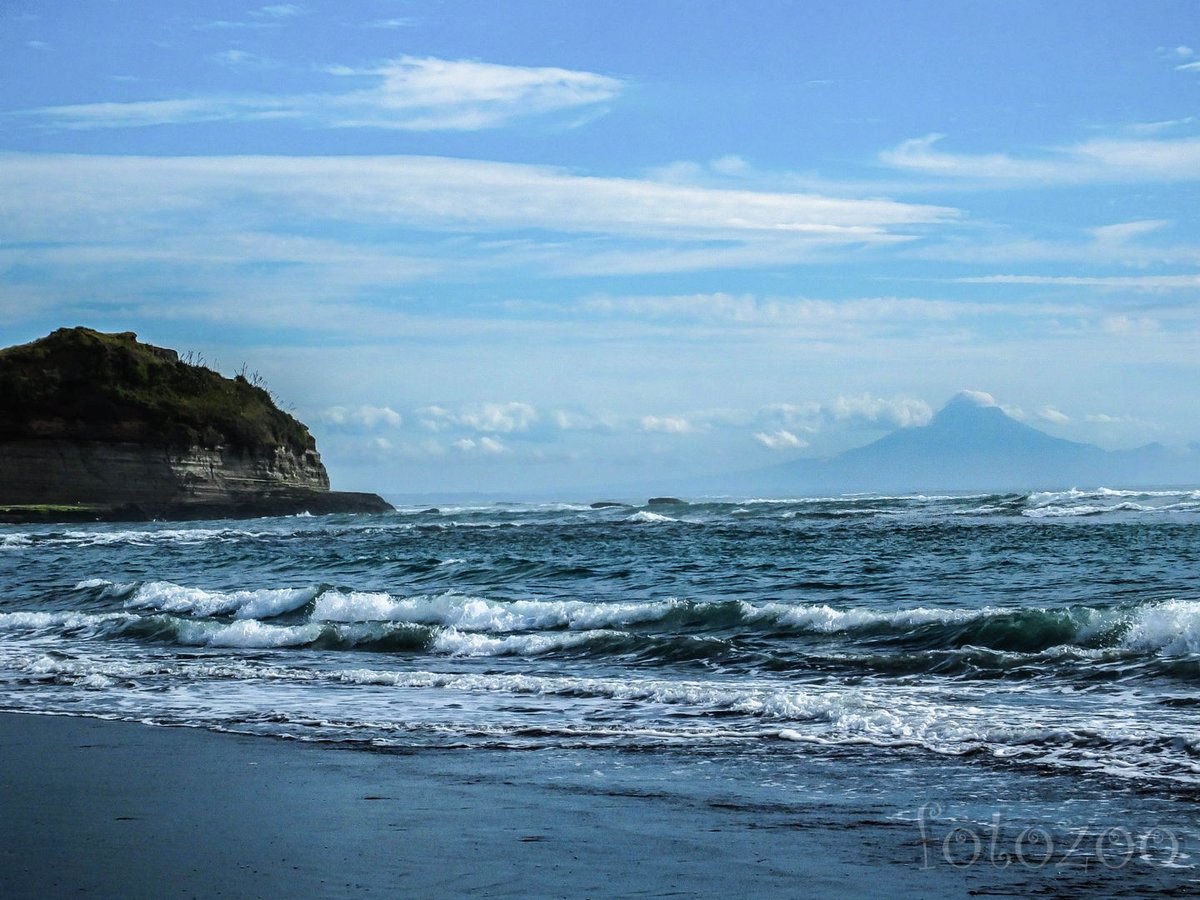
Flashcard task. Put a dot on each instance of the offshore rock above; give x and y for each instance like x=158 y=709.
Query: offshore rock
x=101 y=426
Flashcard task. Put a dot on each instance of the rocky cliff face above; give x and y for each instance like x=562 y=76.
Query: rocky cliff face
x=220 y=475
x=108 y=427
x=92 y=472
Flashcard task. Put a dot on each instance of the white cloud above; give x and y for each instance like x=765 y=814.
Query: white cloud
x=409 y=93
x=1052 y=415
x=667 y=424
x=433 y=94
x=569 y=421
x=374 y=416
x=793 y=416
x=979 y=398
x=898 y=412
x=1098 y=160
x=1161 y=125
x=452 y=194
x=280 y=11
x=365 y=417
x=861 y=411
x=1180 y=52
x=491 y=445
x=748 y=310
x=1130 y=325
x=243 y=60
x=1189 y=67
x=210 y=210
x=273 y=15
x=1112 y=282
x=485 y=445
x=389 y=24
x=780 y=440
x=1121 y=232
x=500 y=418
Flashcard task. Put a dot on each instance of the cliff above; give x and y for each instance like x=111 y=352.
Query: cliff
x=96 y=425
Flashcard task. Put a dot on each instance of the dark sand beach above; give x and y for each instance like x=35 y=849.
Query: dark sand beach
x=106 y=808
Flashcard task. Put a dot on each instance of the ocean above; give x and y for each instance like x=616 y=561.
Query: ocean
x=972 y=671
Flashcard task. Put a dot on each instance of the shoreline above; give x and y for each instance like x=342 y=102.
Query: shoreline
x=119 y=808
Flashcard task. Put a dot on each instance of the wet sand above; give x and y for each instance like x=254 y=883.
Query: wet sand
x=119 y=809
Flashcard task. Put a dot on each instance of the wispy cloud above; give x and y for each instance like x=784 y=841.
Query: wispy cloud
x=279 y=11
x=1120 y=233
x=752 y=311
x=780 y=440
x=429 y=94
x=1099 y=160
x=243 y=60
x=1182 y=51
x=273 y=15
x=143 y=200
x=1110 y=282
x=487 y=446
x=667 y=424
x=854 y=412
x=409 y=94
x=499 y=418
x=1161 y=125
x=364 y=417
x=390 y=24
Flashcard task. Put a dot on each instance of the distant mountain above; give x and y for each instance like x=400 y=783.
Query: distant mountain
x=972 y=444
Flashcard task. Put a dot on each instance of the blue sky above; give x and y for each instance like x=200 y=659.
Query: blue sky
x=543 y=245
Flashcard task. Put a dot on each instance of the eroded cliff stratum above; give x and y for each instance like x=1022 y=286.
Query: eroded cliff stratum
x=96 y=425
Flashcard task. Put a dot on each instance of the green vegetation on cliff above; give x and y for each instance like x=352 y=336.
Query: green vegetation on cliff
x=77 y=384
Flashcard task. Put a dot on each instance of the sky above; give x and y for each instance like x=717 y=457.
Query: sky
x=545 y=246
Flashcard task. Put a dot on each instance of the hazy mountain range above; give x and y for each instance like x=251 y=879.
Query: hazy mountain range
x=971 y=444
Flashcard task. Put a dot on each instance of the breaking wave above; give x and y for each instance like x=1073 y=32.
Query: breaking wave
x=669 y=630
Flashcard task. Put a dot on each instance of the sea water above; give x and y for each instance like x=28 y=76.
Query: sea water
x=973 y=662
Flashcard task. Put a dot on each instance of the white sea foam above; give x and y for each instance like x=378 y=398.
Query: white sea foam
x=166 y=596
x=110 y=588
x=829 y=714
x=826 y=619
x=453 y=642
x=1171 y=628
x=246 y=634
x=61 y=621
x=477 y=614
x=148 y=536
x=95 y=681
x=1076 y=502
x=1084 y=509
x=947 y=719
x=130 y=669
x=15 y=541
x=644 y=516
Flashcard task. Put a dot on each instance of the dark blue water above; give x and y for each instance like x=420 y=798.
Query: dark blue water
x=1020 y=639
